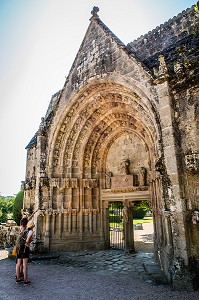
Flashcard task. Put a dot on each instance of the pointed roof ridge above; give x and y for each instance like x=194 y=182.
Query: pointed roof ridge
x=130 y=52
x=121 y=44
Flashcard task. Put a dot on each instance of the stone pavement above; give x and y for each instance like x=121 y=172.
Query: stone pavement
x=93 y=275
x=89 y=275
x=136 y=265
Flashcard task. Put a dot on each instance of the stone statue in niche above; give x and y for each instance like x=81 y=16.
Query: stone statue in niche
x=108 y=180
x=142 y=176
x=125 y=214
x=123 y=169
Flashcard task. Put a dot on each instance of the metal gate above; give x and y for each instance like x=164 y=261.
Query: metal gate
x=116 y=225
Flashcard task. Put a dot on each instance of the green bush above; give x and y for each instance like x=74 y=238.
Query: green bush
x=6 y=206
x=17 y=207
x=140 y=209
x=139 y=213
x=114 y=219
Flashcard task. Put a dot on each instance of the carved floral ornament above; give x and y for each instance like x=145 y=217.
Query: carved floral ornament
x=62 y=183
x=74 y=130
x=68 y=211
x=90 y=183
x=192 y=162
x=89 y=211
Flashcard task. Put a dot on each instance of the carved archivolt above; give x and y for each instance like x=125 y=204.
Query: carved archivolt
x=92 y=119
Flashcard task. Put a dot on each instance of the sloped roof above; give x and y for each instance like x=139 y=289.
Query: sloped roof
x=56 y=97
x=95 y=19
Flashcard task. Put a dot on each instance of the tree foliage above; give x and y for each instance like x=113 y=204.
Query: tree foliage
x=17 y=207
x=140 y=209
x=6 y=208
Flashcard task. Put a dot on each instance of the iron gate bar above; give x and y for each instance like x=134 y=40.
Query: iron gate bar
x=116 y=225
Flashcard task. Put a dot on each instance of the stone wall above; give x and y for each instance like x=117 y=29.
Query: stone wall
x=8 y=234
x=164 y=35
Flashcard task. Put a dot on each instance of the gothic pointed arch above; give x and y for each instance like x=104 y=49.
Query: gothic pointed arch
x=93 y=117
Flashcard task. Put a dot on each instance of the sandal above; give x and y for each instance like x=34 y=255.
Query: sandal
x=19 y=280
x=26 y=282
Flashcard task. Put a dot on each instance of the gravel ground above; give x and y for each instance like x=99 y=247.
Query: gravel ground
x=55 y=281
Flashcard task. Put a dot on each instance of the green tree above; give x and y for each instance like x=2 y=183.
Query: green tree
x=140 y=209
x=17 y=207
x=6 y=207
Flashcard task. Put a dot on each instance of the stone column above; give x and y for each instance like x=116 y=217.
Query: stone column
x=105 y=222
x=65 y=222
x=128 y=229
x=47 y=232
x=60 y=223
x=40 y=169
x=80 y=212
x=180 y=276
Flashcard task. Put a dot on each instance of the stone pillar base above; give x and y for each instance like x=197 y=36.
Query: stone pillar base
x=185 y=282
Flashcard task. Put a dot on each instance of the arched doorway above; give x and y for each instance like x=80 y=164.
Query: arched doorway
x=103 y=149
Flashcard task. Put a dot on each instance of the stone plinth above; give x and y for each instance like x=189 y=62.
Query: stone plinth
x=122 y=181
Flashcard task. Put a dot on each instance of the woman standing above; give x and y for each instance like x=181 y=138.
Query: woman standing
x=23 y=241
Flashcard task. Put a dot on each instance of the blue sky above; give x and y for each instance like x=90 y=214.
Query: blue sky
x=39 y=41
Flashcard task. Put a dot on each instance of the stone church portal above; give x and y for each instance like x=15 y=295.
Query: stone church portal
x=123 y=129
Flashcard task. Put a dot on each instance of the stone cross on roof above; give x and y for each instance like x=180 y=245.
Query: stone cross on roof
x=95 y=11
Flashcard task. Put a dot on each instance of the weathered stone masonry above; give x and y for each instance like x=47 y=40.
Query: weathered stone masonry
x=123 y=128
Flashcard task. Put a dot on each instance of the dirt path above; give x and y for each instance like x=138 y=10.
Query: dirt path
x=144 y=238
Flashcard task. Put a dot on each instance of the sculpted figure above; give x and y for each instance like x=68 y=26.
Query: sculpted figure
x=125 y=214
x=124 y=167
x=142 y=176
x=108 y=180
x=162 y=66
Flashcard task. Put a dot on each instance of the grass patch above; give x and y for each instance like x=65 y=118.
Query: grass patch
x=141 y=221
x=135 y=221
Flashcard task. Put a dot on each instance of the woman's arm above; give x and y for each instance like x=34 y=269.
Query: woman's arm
x=31 y=216
x=29 y=237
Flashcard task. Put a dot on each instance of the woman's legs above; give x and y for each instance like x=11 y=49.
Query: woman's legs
x=25 y=268
x=21 y=270
x=18 y=264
